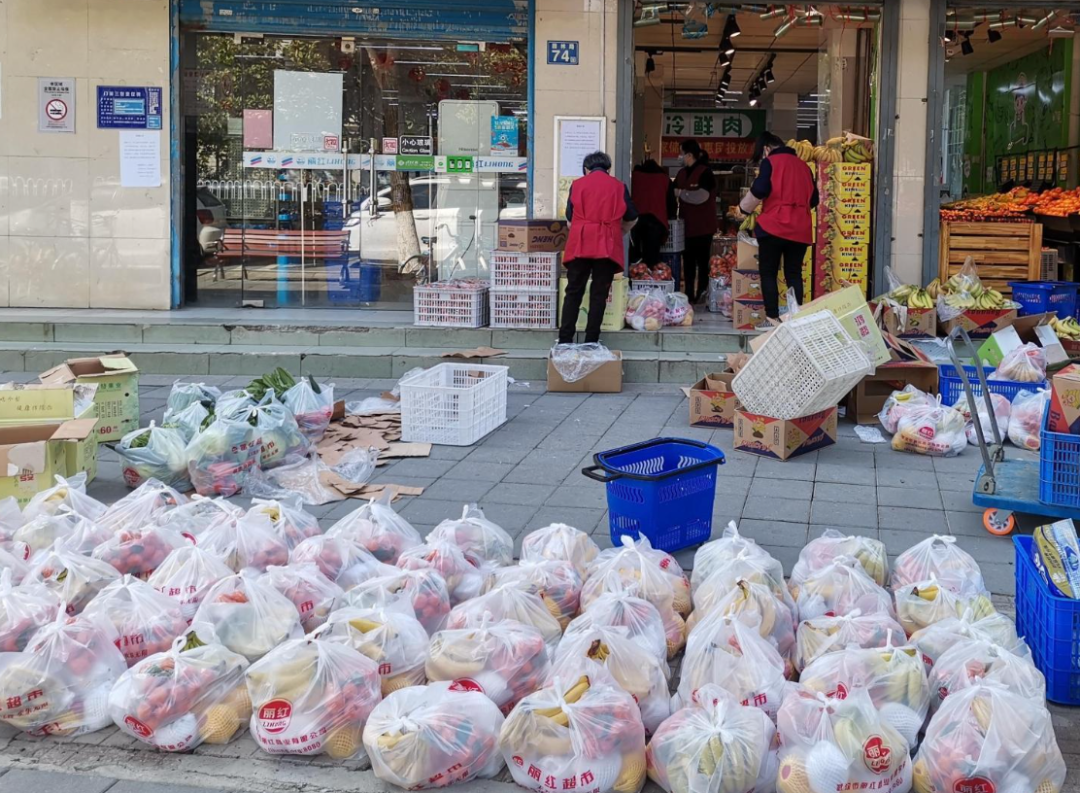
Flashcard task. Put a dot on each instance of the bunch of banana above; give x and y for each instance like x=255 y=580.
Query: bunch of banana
x=1067 y=328
x=557 y=714
x=920 y=299
x=749 y=223
x=734 y=764
x=858 y=151
x=803 y=148
x=831 y=152
x=933 y=289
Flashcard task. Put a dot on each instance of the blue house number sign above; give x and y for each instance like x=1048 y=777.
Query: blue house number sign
x=562 y=53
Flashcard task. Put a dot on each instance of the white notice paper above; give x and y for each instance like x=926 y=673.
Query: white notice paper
x=140 y=158
x=578 y=138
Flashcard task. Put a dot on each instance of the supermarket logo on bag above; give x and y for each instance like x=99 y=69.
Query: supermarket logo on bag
x=275 y=715
x=465 y=684
x=840 y=692
x=876 y=755
x=974 y=785
x=137 y=727
x=927 y=432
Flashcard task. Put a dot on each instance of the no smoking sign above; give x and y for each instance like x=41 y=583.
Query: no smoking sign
x=56 y=104
x=56 y=110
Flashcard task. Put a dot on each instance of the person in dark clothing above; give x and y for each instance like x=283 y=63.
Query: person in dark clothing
x=653 y=194
x=785 y=188
x=599 y=210
x=695 y=187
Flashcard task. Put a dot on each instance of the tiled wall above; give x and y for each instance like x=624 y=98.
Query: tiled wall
x=70 y=236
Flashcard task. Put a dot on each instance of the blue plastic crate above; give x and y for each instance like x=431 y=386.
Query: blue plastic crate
x=1051 y=627
x=1059 y=467
x=661 y=489
x=952 y=388
x=1038 y=297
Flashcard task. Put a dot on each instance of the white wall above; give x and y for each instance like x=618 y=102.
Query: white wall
x=70 y=236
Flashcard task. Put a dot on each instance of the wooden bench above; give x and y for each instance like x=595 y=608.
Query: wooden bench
x=247 y=244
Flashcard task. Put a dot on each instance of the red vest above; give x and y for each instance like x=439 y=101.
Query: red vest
x=786 y=211
x=649 y=192
x=700 y=219
x=596 y=230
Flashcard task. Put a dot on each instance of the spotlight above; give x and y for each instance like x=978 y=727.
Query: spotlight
x=725 y=81
x=731 y=28
x=724 y=60
x=769 y=78
x=650 y=65
x=727 y=47
x=753 y=100
x=950 y=35
x=965 y=47
x=993 y=36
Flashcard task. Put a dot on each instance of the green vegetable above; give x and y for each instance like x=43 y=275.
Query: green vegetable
x=314 y=385
x=141 y=440
x=278 y=381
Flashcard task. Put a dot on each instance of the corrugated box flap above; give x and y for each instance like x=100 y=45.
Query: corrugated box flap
x=76 y=430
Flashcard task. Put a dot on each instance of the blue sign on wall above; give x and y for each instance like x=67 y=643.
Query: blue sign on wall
x=562 y=53
x=128 y=107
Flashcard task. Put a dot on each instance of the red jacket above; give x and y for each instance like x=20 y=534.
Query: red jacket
x=785 y=211
x=649 y=192
x=700 y=219
x=599 y=204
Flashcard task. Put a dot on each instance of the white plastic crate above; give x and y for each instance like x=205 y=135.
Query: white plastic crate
x=525 y=309
x=450 y=308
x=676 y=240
x=516 y=271
x=807 y=365
x=454 y=404
x=1048 y=261
x=647 y=286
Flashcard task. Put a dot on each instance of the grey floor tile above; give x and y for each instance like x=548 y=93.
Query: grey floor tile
x=897 y=540
x=507 y=493
x=850 y=515
x=987 y=548
x=817 y=529
x=795 y=468
x=28 y=781
x=787 y=555
x=778 y=509
x=594 y=497
x=999 y=577
x=420 y=468
x=831 y=492
x=845 y=473
x=957 y=482
x=899 y=477
x=888 y=458
x=488 y=472
x=781 y=489
x=966 y=524
x=775 y=532
x=927 y=521
x=463 y=490
x=497 y=454
x=512 y=517
x=579 y=517
x=429 y=512
x=959 y=501
x=914 y=497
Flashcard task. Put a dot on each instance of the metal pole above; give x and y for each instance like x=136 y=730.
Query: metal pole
x=935 y=101
x=886 y=152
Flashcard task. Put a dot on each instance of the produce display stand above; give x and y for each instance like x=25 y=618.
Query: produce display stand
x=1002 y=252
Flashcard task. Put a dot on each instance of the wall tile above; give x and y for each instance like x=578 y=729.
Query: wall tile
x=56 y=48
x=110 y=23
x=129 y=273
x=4 y=247
x=48 y=272
x=909 y=205
x=117 y=211
x=21 y=121
x=48 y=197
x=5 y=189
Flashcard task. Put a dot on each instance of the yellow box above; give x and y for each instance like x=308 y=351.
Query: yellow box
x=614 y=314
x=39 y=452
x=117 y=397
x=35 y=403
x=849 y=306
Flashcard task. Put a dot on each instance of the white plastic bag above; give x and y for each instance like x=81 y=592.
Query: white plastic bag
x=289 y=520
x=923 y=603
x=641 y=619
x=145 y=620
x=934 y=640
x=197 y=516
x=391 y=637
x=820 y=635
x=154 y=453
x=23 y=609
x=222 y=456
x=1023 y=364
x=479 y=538
x=1002 y=412
x=295 y=476
x=464 y=577
x=75 y=578
x=43 y=531
x=902 y=404
x=276 y=433
x=313 y=594
x=556 y=583
x=936 y=431
x=189 y=422
x=840 y=588
x=756 y=607
x=645 y=310
x=184 y=395
x=507 y=603
x=821 y=551
x=67 y=493
x=560 y=542
x=377 y=528
x=1026 y=420
x=716 y=553
x=183 y=697
x=249 y=542
x=972 y=660
x=937 y=557
x=749 y=567
x=339 y=559
x=422 y=592
x=150 y=502
x=187 y=574
x=138 y=552
x=312 y=408
x=575 y=362
x=247 y=615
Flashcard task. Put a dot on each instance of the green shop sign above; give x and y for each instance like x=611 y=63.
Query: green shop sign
x=714 y=123
x=456 y=164
x=415 y=162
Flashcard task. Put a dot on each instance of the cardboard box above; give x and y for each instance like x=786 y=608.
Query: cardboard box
x=606 y=379
x=614 y=313
x=748 y=314
x=533 y=236
x=746 y=256
x=117 y=397
x=981 y=323
x=780 y=439
x=33 y=455
x=36 y=403
x=868 y=398
x=908 y=323
x=712 y=402
x=1034 y=329
x=1065 y=401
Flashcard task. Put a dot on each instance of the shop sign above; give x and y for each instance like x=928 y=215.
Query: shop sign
x=501 y=164
x=416 y=144
x=457 y=164
x=56 y=105
x=128 y=107
x=562 y=53
x=390 y=145
x=714 y=123
x=415 y=162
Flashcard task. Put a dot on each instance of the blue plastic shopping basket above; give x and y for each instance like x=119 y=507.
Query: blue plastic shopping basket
x=661 y=489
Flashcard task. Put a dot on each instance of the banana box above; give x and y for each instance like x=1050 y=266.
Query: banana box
x=845 y=179
x=783 y=439
x=1064 y=413
x=980 y=323
x=853 y=226
x=908 y=323
x=712 y=402
x=1055 y=552
x=749 y=314
x=746 y=285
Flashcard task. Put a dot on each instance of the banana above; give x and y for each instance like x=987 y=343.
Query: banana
x=364 y=626
x=577 y=691
x=926 y=593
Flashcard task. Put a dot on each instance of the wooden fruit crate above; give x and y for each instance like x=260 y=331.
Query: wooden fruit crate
x=1002 y=252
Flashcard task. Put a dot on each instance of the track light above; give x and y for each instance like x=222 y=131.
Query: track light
x=965 y=47
x=731 y=27
x=993 y=36
x=650 y=64
x=783 y=28
x=950 y=36
x=769 y=77
x=727 y=47
x=753 y=100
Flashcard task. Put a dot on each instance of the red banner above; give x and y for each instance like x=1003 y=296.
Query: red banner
x=721 y=149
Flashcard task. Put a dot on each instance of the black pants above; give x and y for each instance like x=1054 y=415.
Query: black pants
x=771 y=250
x=696 y=266
x=578 y=272
x=647 y=238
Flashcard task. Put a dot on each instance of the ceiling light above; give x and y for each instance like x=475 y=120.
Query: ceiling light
x=993 y=36
x=731 y=27
x=1061 y=33
x=1002 y=23
x=1043 y=22
x=966 y=48
x=950 y=35
x=783 y=28
x=650 y=65
x=724 y=60
x=753 y=100
x=727 y=47
x=769 y=77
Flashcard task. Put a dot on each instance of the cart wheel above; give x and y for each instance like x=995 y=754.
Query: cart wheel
x=999 y=522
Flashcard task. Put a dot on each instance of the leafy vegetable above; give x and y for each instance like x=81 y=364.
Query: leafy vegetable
x=278 y=381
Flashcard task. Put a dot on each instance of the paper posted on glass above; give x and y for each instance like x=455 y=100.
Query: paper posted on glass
x=140 y=158
x=575 y=139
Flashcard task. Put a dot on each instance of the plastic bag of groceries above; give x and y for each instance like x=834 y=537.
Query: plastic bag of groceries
x=247 y=542
x=312 y=696
x=641 y=619
x=755 y=605
x=154 y=453
x=678 y=310
x=832 y=743
x=724 y=651
x=138 y=552
x=198 y=515
x=582 y=729
x=645 y=310
x=714 y=744
x=575 y=362
x=289 y=520
x=840 y=588
x=1026 y=419
x=934 y=640
x=562 y=543
x=479 y=538
x=187 y=574
x=296 y=476
x=937 y=557
x=17 y=565
x=246 y=614
x=716 y=553
x=821 y=550
x=146 y=621
x=339 y=559
x=75 y=578
x=821 y=635
x=391 y=637
x=636 y=671
x=894 y=677
x=748 y=566
x=1023 y=364
x=190 y=421
x=988 y=738
x=59 y=685
x=433 y=736
x=556 y=583
x=506 y=660
x=184 y=395
x=464 y=578
x=69 y=493
x=222 y=456
x=23 y=609
x=934 y=430
x=313 y=594
x=508 y=603
x=234 y=404
x=972 y=660
x=312 y=405
x=1002 y=412
x=423 y=593
x=923 y=603
x=903 y=404
x=634 y=559
x=377 y=528
x=150 y=502
x=276 y=432
x=11 y=518
x=42 y=532
x=183 y=697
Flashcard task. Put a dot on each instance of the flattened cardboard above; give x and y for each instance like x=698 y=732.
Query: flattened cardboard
x=1064 y=412
x=712 y=402
x=780 y=439
x=868 y=398
x=606 y=379
x=478 y=352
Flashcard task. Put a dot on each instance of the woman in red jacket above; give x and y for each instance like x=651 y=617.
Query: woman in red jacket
x=600 y=211
x=695 y=186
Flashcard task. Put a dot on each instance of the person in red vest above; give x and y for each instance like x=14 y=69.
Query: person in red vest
x=653 y=194
x=786 y=191
x=695 y=186
x=600 y=211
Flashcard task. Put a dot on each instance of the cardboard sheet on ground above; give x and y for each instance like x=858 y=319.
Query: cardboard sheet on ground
x=478 y=352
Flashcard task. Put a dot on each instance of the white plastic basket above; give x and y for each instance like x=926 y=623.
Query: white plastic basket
x=1048 y=264
x=515 y=271
x=524 y=309
x=676 y=241
x=454 y=404
x=807 y=365
x=666 y=287
x=450 y=308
